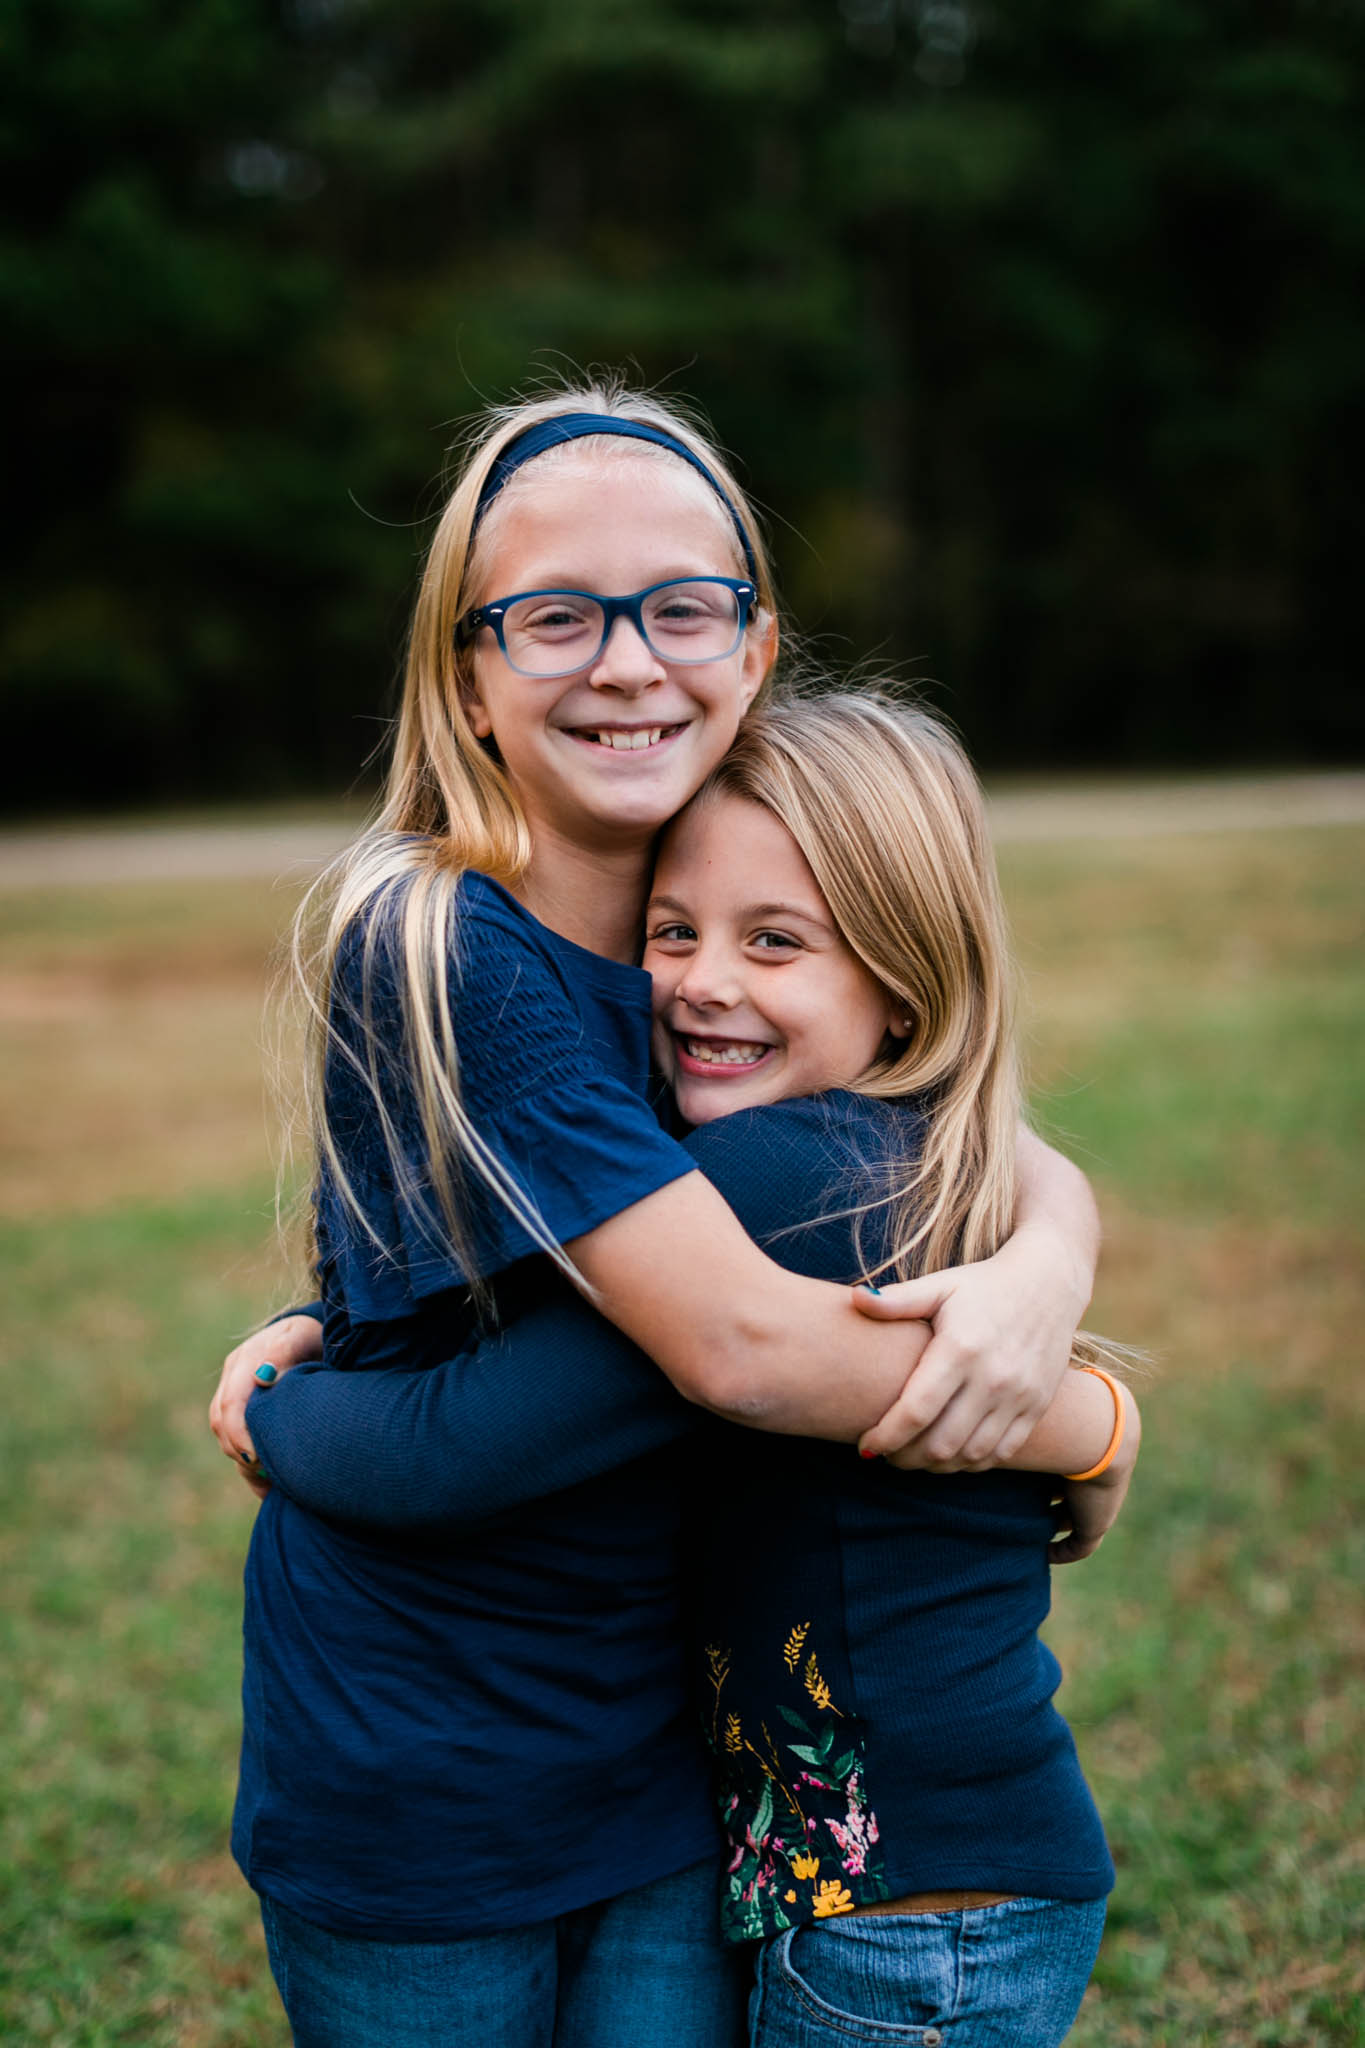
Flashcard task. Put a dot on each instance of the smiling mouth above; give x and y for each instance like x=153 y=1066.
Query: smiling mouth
x=630 y=739
x=720 y=1055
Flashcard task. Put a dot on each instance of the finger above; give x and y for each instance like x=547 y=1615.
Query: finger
x=912 y=1301
x=1000 y=1432
x=1015 y=1437
x=229 y=1426
x=931 y=1387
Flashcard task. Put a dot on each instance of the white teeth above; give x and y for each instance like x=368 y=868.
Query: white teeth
x=632 y=742
x=730 y=1055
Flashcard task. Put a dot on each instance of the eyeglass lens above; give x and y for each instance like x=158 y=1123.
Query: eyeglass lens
x=558 y=631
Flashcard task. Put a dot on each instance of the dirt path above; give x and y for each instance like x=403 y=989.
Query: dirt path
x=1122 y=810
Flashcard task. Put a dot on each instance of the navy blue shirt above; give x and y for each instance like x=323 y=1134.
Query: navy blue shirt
x=866 y=1641
x=467 y=1730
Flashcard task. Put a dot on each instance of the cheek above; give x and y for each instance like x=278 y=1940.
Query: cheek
x=664 y=976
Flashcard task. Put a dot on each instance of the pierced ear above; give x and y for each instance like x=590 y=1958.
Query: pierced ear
x=898 y=1024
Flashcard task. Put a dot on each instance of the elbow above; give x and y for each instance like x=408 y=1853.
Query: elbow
x=732 y=1373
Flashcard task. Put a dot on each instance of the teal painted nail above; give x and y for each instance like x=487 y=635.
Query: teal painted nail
x=871 y=1288
x=266 y=1374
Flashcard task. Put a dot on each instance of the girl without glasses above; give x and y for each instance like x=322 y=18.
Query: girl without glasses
x=470 y=1797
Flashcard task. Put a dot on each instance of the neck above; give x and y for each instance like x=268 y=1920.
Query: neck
x=591 y=895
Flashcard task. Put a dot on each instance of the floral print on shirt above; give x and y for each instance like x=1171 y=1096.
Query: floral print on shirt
x=803 y=1835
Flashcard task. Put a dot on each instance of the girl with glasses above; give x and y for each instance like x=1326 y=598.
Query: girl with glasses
x=471 y=1797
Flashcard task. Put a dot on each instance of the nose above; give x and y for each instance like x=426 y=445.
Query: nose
x=627 y=661
x=712 y=981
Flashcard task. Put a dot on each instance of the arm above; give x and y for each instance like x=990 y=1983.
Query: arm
x=1003 y=1328
x=773 y=1349
x=558 y=1399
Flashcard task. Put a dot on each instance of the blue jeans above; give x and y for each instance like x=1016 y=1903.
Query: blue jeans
x=1007 y=1976
x=637 y=1971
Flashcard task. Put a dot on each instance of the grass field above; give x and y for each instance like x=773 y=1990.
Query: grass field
x=1197 y=1018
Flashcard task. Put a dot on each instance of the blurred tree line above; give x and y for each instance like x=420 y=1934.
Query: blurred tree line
x=1038 y=326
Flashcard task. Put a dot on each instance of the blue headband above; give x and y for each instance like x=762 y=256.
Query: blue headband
x=572 y=426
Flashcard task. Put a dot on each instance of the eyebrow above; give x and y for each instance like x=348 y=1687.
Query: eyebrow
x=751 y=910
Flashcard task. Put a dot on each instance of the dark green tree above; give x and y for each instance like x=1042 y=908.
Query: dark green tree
x=1038 y=328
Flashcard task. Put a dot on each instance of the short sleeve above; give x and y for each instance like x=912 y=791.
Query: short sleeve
x=552 y=1049
x=800 y=1175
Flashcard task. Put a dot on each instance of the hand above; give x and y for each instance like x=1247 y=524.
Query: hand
x=1003 y=1330
x=290 y=1341
x=1090 y=1507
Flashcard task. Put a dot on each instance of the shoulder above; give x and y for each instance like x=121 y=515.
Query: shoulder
x=490 y=946
x=808 y=1161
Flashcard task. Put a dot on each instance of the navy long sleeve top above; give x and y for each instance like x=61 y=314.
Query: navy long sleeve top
x=865 y=1641
x=448 y=1731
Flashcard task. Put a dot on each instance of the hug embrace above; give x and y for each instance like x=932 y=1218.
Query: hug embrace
x=669 y=1154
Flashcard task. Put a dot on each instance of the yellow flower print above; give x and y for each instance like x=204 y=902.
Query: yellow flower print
x=804 y=1864
x=791 y=1649
x=832 y=1898
x=790 y=1897
x=818 y=1690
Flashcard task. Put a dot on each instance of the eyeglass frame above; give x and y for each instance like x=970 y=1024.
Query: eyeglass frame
x=494 y=614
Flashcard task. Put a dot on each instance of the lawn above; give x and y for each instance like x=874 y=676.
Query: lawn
x=1196 y=1021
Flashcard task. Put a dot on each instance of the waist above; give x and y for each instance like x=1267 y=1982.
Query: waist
x=937 y=1902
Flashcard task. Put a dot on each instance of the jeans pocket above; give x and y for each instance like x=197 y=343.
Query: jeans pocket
x=866 y=1978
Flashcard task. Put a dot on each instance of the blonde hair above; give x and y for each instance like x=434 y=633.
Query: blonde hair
x=448 y=807
x=889 y=816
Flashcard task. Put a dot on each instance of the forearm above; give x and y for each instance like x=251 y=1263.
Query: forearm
x=1077 y=1429
x=557 y=1399
x=1056 y=1221
x=733 y=1331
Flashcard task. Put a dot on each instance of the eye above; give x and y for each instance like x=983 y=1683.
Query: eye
x=775 y=942
x=674 y=934
x=557 y=614
x=553 y=617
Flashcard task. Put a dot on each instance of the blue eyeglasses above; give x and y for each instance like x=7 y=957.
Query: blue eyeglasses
x=549 y=633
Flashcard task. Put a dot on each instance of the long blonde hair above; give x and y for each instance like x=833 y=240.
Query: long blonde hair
x=448 y=807
x=888 y=814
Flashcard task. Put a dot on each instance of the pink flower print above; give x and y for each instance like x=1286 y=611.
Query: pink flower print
x=737 y=1858
x=857 y=1833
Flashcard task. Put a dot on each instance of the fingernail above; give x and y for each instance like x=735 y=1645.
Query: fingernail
x=266 y=1374
x=245 y=1457
x=869 y=1454
x=871 y=1287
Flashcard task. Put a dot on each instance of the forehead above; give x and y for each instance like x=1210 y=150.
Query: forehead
x=591 y=515
x=728 y=845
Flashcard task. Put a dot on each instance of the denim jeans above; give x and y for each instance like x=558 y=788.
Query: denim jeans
x=636 y=1971
x=1007 y=1976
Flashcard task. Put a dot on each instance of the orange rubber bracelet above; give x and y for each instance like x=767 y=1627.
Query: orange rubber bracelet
x=1120 y=1418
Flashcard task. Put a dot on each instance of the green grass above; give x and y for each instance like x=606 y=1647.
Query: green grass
x=1196 y=1028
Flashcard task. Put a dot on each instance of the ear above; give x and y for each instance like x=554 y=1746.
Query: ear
x=760 y=652
x=475 y=710
x=900 y=1024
